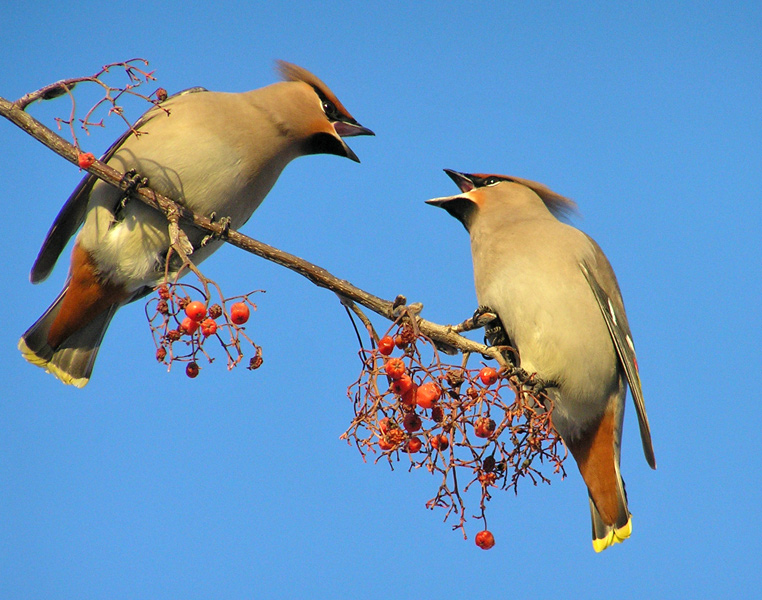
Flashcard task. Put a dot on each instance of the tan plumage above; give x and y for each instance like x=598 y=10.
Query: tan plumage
x=559 y=303
x=218 y=154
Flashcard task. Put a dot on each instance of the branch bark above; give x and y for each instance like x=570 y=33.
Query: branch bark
x=442 y=334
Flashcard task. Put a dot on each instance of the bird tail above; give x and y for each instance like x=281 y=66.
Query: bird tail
x=72 y=360
x=605 y=535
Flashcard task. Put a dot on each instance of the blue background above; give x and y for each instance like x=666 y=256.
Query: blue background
x=146 y=484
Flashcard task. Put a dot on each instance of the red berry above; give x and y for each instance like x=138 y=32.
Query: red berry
x=402 y=385
x=385 y=424
x=386 y=345
x=85 y=160
x=395 y=368
x=428 y=394
x=408 y=397
x=439 y=442
x=413 y=445
x=488 y=375
x=385 y=444
x=412 y=422
x=485 y=540
x=189 y=326
x=239 y=313
x=191 y=370
x=208 y=327
x=196 y=310
x=484 y=427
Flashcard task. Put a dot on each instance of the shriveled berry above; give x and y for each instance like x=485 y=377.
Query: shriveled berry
x=164 y=292
x=208 y=327
x=485 y=540
x=191 y=370
x=437 y=414
x=488 y=375
x=161 y=353
x=162 y=307
x=412 y=422
x=386 y=345
x=400 y=342
x=215 y=311
x=484 y=427
x=384 y=444
x=173 y=335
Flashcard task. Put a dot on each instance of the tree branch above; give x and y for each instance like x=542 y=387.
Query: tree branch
x=442 y=334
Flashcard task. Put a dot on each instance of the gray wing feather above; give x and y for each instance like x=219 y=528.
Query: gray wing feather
x=72 y=215
x=616 y=322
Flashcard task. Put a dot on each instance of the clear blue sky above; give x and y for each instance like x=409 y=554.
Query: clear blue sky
x=235 y=485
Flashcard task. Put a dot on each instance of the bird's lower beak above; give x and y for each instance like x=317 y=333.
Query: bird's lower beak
x=345 y=129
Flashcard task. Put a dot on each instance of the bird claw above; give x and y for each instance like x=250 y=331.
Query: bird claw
x=225 y=222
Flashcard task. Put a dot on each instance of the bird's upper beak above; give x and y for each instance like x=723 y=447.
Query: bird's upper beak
x=461 y=206
x=462 y=180
x=345 y=129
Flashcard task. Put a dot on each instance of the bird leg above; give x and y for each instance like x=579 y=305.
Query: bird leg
x=131 y=181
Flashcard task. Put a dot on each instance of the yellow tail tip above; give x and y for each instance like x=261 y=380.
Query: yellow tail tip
x=615 y=536
x=39 y=361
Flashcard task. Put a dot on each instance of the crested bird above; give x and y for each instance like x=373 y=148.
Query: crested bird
x=559 y=305
x=216 y=153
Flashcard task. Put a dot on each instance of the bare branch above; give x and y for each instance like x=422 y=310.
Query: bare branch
x=441 y=334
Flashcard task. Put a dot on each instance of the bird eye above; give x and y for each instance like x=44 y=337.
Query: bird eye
x=491 y=181
x=330 y=110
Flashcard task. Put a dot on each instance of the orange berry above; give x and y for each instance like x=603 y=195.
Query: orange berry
x=189 y=325
x=439 y=442
x=413 y=445
x=428 y=394
x=395 y=368
x=196 y=310
x=386 y=345
x=85 y=160
x=402 y=385
x=485 y=540
x=239 y=313
x=488 y=375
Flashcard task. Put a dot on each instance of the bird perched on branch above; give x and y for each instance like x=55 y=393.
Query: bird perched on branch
x=559 y=304
x=218 y=154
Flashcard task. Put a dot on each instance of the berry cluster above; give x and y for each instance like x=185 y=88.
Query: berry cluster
x=453 y=421
x=181 y=327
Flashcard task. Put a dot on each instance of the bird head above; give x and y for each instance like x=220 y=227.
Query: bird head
x=482 y=192
x=323 y=121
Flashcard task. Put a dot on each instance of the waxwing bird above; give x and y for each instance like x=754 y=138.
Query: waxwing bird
x=559 y=304
x=219 y=154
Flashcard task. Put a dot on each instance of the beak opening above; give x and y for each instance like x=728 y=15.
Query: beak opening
x=462 y=180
